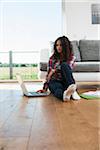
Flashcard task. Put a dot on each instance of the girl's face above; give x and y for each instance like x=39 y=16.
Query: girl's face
x=59 y=46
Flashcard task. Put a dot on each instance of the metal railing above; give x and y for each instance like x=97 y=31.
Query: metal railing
x=23 y=62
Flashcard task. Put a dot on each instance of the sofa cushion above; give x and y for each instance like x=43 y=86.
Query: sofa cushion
x=79 y=67
x=76 y=50
x=89 y=50
x=87 y=66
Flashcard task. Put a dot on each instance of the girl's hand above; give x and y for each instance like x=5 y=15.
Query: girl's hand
x=41 y=91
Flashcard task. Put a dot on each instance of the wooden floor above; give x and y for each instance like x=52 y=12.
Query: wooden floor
x=46 y=123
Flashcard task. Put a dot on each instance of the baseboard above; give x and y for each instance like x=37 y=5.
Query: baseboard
x=87 y=76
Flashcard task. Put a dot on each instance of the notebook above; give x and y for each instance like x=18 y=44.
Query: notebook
x=26 y=92
x=91 y=95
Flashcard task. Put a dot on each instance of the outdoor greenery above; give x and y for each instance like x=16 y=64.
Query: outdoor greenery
x=27 y=71
x=17 y=65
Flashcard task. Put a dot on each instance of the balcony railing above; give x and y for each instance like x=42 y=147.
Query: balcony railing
x=23 y=62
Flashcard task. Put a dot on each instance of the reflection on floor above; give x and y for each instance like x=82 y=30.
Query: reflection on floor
x=46 y=123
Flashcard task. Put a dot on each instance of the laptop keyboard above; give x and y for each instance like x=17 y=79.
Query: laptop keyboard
x=36 y=93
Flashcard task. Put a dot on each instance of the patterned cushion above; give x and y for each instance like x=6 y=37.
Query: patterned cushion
x=89 y=50
x=76 y=50
x=74 y=47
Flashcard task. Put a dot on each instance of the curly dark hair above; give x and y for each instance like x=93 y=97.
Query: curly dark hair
x=66 y=48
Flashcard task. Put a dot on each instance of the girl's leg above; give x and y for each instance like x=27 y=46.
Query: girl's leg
x=56 y=88
x=67 y=75
x=68 y=80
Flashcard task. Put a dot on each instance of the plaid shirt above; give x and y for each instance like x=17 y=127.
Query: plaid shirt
x=55 y=65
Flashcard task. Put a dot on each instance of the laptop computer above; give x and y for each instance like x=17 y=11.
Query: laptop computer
x=26 y=92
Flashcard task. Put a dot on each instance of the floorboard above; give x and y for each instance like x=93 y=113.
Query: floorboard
x=46 y=123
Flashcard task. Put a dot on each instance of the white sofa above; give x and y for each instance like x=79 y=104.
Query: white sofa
x=87 y=54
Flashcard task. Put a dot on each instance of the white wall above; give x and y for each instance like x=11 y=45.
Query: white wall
x=77 y=21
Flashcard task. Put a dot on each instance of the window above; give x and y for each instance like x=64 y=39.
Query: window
x=29 y=25
x=26 y=27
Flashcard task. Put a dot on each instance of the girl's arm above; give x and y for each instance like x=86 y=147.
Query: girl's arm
x=48 y=77
x=71 y=61
x=50 y=72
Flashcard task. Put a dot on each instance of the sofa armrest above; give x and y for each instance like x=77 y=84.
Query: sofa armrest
x=43 y=66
